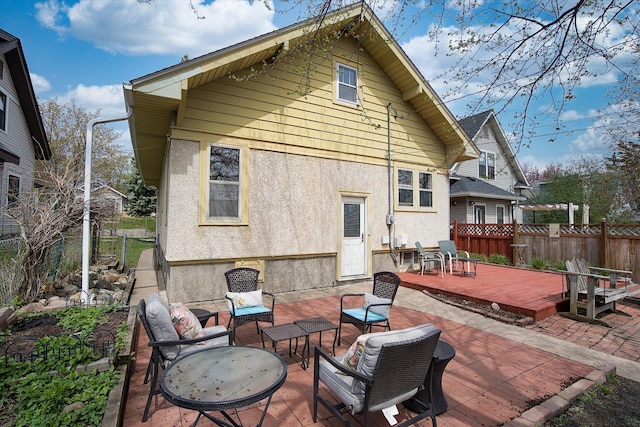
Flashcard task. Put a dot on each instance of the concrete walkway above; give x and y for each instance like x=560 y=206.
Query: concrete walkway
x=498 y=367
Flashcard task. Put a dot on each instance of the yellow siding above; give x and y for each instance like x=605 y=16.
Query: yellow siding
x=266 y=108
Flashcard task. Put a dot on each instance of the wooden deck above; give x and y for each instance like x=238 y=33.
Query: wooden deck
x=534 y=293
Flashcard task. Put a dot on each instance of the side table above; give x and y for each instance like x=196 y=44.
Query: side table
x=204 y=315
x=287 y=331
x=469 y=263
x=441 y=357
x=319 y=324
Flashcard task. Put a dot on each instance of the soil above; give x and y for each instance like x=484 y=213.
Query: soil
x=46 y=326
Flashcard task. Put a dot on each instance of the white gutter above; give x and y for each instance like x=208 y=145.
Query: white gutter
x=86 y=223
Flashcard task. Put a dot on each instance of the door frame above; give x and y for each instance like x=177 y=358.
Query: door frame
x=364 y=197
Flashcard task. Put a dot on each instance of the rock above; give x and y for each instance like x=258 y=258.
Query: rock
x=495 y=306
x=75 y=406
x=33 y=307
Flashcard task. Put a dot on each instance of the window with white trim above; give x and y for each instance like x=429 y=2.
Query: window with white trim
x=3 y=111
x=224 y=198
x=415 y=189
x=347 y=84
x=500 y=210
x=487 y=165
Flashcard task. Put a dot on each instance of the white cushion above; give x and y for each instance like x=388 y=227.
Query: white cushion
x=382 y=310
x=161 y=325
x=244 y=299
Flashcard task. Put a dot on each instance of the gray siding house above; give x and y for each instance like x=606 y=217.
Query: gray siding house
x=487 y=190
x=22 y=135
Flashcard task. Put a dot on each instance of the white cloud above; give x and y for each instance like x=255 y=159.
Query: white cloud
x=40 y=84
x=161 y=27
x=108 y=99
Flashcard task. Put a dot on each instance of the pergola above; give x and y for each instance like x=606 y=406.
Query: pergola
x=570 y=208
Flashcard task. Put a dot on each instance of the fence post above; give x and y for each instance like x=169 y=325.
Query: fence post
x=604 y=241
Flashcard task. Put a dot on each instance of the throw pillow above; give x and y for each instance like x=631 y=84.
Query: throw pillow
x=382 y=310
x=244 y=299
x=352 y=357
x=186 y=323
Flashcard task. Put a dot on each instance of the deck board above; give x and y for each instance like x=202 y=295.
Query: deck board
x=534 y=293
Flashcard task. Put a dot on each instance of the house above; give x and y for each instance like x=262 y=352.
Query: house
x=313 y=182
x=487 y=190
x=108 y=197
x=22 y=135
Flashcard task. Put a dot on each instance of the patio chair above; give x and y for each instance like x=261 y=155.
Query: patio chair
x=450 y=254
x=427 y=258
x=375 y=307
x=391 y=368
x=166 y=343
x=593 y=293
x=245 y=300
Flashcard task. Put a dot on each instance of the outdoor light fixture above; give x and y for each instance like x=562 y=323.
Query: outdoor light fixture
x=454 y=202
x=471 y=203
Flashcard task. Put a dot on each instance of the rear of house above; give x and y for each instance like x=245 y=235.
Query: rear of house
x=314 y=182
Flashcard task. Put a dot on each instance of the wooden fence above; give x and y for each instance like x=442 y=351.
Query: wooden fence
x=615 y=246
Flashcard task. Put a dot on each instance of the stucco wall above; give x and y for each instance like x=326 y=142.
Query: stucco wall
x=294 y=208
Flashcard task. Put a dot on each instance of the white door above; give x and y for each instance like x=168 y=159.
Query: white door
x=479 y=214
x=353 y=259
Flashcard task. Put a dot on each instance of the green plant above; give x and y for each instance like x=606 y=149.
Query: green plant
x=539 y=264
x=17 y=302
x=83 y=320
x=560 y=265
x=499 y=259
x=479 y=257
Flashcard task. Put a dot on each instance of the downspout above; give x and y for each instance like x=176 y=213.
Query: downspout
x=390 y=219
x=86 y=224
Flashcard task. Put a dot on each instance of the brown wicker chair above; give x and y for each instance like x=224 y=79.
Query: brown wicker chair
x=393 y=367
x=244 y=279
x=385 y=286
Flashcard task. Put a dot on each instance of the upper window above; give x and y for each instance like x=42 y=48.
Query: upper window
x=347 y=84
x=3 y=111
x=13 y=190
x=225 y=175
x=487 y=165
x=415 y=189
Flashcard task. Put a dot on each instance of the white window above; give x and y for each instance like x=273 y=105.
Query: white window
x=3 y=111
x=224 y=182
x=487 y=165
x=415 y=189
x=347 y=84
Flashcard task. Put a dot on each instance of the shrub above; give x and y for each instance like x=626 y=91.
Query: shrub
x=560 y=265
x=539 y=264
x=499 y=259
x=479 y=257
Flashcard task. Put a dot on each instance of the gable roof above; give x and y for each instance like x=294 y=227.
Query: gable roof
x=11 y=48
x=159 y=97
x=474 y=187
x=472 y=126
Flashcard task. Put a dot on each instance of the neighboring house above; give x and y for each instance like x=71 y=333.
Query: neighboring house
x=252 y=173
x=487 y=190
x=22 y=135
x=109 y=197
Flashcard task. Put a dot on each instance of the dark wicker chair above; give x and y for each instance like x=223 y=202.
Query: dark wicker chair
x=164 y=351
x=401 y=370
x=244 y=279
x=385 y=285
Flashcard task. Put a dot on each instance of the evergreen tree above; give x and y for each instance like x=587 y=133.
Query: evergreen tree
x=142 y=199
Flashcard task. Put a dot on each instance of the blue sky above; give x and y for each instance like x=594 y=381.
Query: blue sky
x=86 y=49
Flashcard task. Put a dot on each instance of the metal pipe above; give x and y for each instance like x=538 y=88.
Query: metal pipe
x=86 y=223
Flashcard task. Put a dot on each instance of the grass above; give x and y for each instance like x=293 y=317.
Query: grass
x=133 y=249
x=128 y=223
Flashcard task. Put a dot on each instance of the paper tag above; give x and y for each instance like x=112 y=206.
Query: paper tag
x=389 y=414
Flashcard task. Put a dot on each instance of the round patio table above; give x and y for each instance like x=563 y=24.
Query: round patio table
x=222 y=378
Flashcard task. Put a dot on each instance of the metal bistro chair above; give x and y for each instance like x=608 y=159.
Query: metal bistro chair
x=450 y=254
x=393 y=367
x=376 y=306
x=245 y=280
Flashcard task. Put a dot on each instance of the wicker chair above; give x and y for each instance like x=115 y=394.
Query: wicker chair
x=376 y=312
x=166 y=344
x=245 y=280
x=393 y=367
